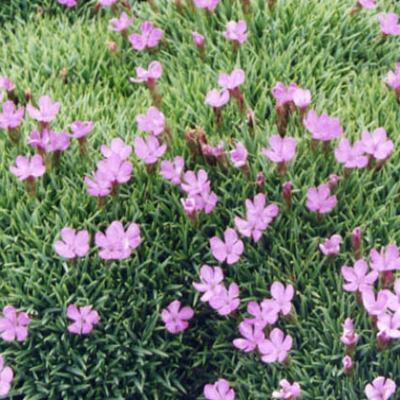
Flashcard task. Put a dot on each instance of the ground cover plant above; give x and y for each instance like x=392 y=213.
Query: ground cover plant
x=199 y=199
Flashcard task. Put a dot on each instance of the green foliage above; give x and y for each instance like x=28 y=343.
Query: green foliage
x=129 y=355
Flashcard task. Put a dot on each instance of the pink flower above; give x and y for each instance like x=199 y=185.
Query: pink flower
x=323 y=127
x=150 y=150
x=232 y=81
x=276 y=348
x=357 y=278
x=333 y=180
x=283 y=95
x=80 y=129
x=175 y=317
x=230 y=250
x=47 y=109
x=11 y=118
x=225 y=301
x=221 y=389
x=195 y=184
x=380 y=389
x=331 y=246
x=74 y=244
x=385 y=260
x=239 y=156
x=258 y=217
x=122 y=23
x=6 y=377
x=351 y=157
x=68 y=3
x=210 y=281
x=302 y=98
x=6 y=83
x=347 y=364
x=153 y=121
x=377 y=144
x=217 y=99
x=106 y=3
x=100 y=186
x=48 y=141
x=198 y=39
x=389 y=23
x=14 y=325
x=394 y=298
x=367 y=3
x=390 y=324
x=172 y=171
x=116 y=244
x=348 y=337
x=288 y=391
x=252 y=335
x=266 y=314
x=149 y=38
x=206 y=201
x=283 y=149
x=117 y=170
x=208 y=4
x=84 y=317
x=118 y=147
x=236 y=31
x=375 y=306
x=393 y=78
x=319 y=199
x=27 y=168
x=189 y=205
x=283 y=297
x=154 y=72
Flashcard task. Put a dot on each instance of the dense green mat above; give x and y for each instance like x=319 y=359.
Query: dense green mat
x=130 y=355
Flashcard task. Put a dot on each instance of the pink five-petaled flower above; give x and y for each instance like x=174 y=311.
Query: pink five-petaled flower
x=348 y=337
x=6 y=377
x=225 y=300
x=208 y=4
x=116 y=244
x=27 y=168
x=389 y=24
x=216 y=98
x=198 y=39
x=282 y=149
x=288 y=391
x=84 y=317
x=172 y=171
x=150 y=150
x=11 y=118
x=376 y=144
x=80 y=129
x=283 y=95
x=14 y=325
x=210 y=281
x=195 y=184
x=390 y=324
x=357 y=278
x=6 y=83
x=100 y=186
x=189 y=206
x=394 y=298
x=393 y=79
x=68 y=3
x=258 y=217
x=367 y=4
x=47 y=110
x=380 y=389
x=252 y=335
x=239 y=156
x=320 y=200
x=154 y=72
x=73 y=244
x=375 y=305
x=276 y=348
x=220 y=390
x=323 y=127
x=153 y=121
x=149 y=38
x=232 y=81
x=117 y=170
x=236 y=31
x=264 y=314
x=283 y=297
x=302 y=98
x=117 y=147
x=351 y=157
x=230 y=250
x=331 y=246
x=175 y=317
x=386 y=260
x=122 y=23
x=49 y=141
